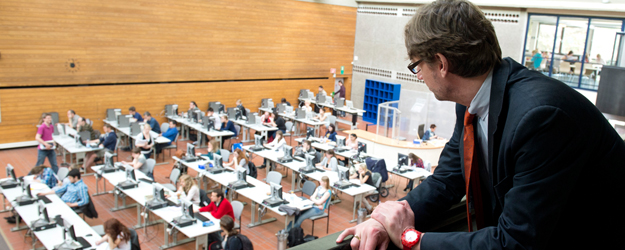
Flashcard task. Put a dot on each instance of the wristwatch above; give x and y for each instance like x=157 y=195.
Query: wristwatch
x=410 y=237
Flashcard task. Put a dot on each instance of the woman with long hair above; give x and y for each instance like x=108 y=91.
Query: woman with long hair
x=116 y=235
x=239 y=161
x=364 y=175
x=213 y=149
x=329 y=163
x=146 y=148
x=415 y=162
x=321 y=200
x=231 y=240
x=188 y=190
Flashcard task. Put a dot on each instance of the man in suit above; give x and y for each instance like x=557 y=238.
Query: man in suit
x=520 y=151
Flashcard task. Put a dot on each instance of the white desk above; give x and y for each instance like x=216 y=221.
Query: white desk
x=245 y=129
x=194 y=232
x=53 y=236
x=126 y=131
x=256 y=194
x=308 y=122
x=216 y=134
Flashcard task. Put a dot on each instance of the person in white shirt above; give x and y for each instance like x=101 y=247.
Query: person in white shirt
x=116 y=235
x=188 y=190
x=239 y=161
x=216 y=118
x=73 y=119
x=329 y=163
x=307 y=106
x=352 y=142
x=323 y=115
x=278 y=142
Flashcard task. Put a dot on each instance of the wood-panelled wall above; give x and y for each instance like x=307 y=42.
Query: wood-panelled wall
x=19 y=120
x=58 y=55
x=158 y=40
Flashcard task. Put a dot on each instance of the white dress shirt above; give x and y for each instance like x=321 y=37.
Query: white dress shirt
x=479 y=107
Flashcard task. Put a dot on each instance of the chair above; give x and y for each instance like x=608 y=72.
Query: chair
x=331 y=120
x=99 y=229
x=150 y=163
x=421 y=130
x=289 y=130
x=134 y=240
x=309 y=188
x=173 y=178
x=225 y=154
x=204 y=200
x=62 y=173
x=96 y=133
x=237 y=209
x=173 y=145
x=164 y=126
x=275 y=177
x=87 y=210
x=238 y=129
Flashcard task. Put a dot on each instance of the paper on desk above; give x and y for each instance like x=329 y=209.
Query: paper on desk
x=103 y=246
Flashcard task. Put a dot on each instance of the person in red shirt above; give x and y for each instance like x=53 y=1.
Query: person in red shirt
x=219 y=205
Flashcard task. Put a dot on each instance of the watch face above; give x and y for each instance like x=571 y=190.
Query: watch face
x=411 y=236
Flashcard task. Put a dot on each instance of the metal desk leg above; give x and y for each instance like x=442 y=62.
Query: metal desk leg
x=294 y=188
x=124 y=206
x=4 y=205
x=357 y=197
x=258 y=221
x=17 y=224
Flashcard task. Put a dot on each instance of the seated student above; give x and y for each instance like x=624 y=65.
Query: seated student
x=227 y=125
x=321 y=91
x=331 y=133
x=84 y=126
x=152 y=121
x=352 y=142
x=192 y=108
x=192 y=132
x=329 y=162
x=278 y=122
x=117 y=236
x=133 y=111
x=139 y=162
x=415 y=162
x=278 y=142
x=45 y=175
x=239 y=104
x=212 y=149
x=66 y=181
x=75 y=194
x=145 y=142
x=215 y=116
x=321 y=200
x=283 y=101
x=429 y=134
x=364 y=175
x=188 y=190
x=323 y=115
x=307 y=106
x=73 y=118
x=233 y=238
x=219 y=205
x=108 y=141
x=239 y=161
x=171 y=134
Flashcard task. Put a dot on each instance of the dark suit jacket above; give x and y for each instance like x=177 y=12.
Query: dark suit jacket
x=549 y=185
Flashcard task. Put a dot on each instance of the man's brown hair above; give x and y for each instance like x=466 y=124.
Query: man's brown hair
x=458 y=30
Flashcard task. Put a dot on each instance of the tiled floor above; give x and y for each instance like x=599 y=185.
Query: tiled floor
x=263 y=237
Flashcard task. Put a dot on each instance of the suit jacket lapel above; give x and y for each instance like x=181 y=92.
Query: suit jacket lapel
x=500 y=78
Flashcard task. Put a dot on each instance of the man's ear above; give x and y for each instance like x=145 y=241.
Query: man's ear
x=442 y=65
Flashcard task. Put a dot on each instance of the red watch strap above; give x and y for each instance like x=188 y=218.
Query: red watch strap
x=407 y=245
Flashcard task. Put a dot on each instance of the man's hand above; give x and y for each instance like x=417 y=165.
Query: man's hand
x=395 y=216
x=369 y=235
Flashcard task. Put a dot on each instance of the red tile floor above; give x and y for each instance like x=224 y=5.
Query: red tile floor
x=263 y=237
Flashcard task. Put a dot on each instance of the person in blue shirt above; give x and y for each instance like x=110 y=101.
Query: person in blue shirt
x=429 y=134
x=133 y=111
x=331 y=133
x=152 y=121
x=537 y=59
x=227 y=125
x=44 y=175
x=171 y=134
x=75 y=194
x=108 y=141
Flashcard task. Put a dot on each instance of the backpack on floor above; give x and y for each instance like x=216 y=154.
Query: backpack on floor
x=245 y=242
x=296 y=237
x=253 y=170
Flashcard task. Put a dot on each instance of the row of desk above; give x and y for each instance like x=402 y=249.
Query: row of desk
x=354 y=112
x=186 y=125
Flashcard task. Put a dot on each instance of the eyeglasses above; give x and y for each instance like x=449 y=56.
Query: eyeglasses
x=414 y=65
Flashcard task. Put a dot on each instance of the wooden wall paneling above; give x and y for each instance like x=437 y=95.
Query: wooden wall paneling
x=121 y=41
x=22 y=107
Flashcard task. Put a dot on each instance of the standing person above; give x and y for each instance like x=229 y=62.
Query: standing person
x=152 y=122
x=341 y=94
x=108 y=141
x=46 y=143
x=537 y=59
x=72 y=118
x=276 y=122
x=117 y=236
x=135 y=115
x=429 y=134
x=415 y=162
x=515 y=152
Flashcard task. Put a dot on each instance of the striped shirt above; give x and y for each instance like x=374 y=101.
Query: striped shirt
x=47 y=177
x=74 y=192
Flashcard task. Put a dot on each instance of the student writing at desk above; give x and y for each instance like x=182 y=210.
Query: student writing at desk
x=108 y=141
x=239 y=104
x=329 y=162
x=331 y=133
x=152 y=121
x=138 y=162
x=45 y=175
x=239 y=161
x=429 y=134
x=415 y=162
x=75 y=194
x=135 y=115
x=276 y=122
x=116 y=235
x=227 y=125
x=323 y=115
x=188 y=190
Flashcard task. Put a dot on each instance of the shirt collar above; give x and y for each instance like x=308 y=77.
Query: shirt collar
x=480 y=103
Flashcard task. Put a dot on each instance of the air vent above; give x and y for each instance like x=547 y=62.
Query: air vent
x=372 y=71
x=384 y=11
x=408 y=11
x=502 y=16
x=408 y=77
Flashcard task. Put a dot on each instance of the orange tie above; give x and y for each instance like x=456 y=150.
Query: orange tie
x=471 y=172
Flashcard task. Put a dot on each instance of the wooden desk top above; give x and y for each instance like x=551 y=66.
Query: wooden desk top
x=390 y=142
